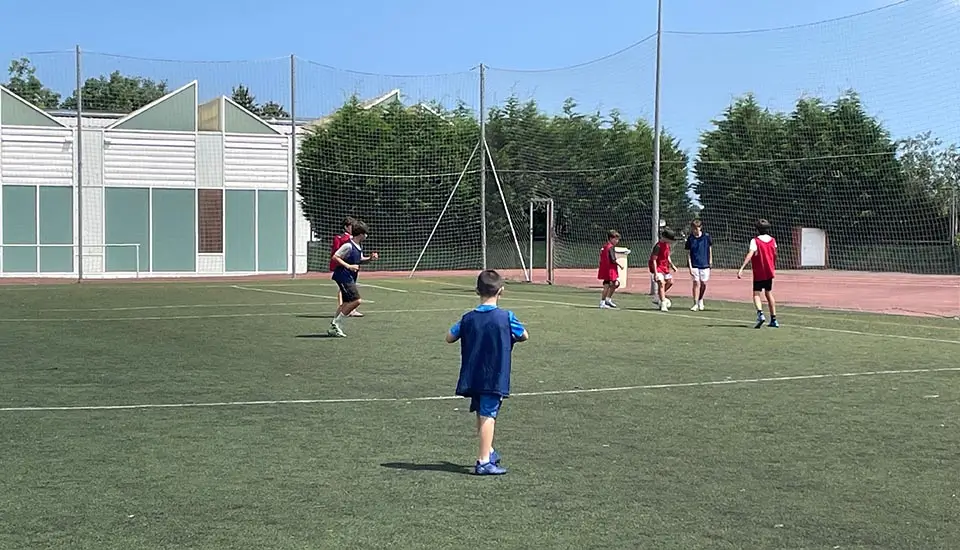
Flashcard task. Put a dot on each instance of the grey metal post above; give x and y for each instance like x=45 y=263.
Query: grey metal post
x=483 y=167
x=531 y=241
x=551 y=236
x=955 y=214
x=655 y=211
x=293 y=167
x=78 y=150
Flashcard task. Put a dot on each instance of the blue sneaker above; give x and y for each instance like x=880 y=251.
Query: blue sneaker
x=774 y=324
x=495 y=457
x=489 y=469
x=760 y=320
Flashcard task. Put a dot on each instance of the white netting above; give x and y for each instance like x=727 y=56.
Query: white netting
x=582 y=136
x=389 y=150
x=845 y=129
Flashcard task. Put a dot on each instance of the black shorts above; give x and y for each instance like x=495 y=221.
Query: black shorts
x=349 y=292
x=766 y=284
x=614 y=283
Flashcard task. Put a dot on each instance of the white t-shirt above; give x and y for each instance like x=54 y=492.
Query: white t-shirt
x=345 y=249
x=764 y=238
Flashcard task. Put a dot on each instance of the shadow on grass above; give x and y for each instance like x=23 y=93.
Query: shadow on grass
x=448 y=467
x=729 y=325
x=314 y=336
x=315 y=316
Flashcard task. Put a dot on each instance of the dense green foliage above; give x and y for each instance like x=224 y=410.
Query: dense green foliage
x=830 y=166
x=394 y=163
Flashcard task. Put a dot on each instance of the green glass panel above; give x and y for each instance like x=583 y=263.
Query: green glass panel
x=17 y=112
x=174 y=224
x=240 y=230
x=177 y=112
x=126 y=221
x=239 y=121
x=56 y=227
x=272 y=231
x=19 y=227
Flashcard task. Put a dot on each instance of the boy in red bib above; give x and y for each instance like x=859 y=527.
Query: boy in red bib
x=762 y=256
x=661 y=266
x=608 y=272
x=338 y=241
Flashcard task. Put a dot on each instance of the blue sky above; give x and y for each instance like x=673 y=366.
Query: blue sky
x=902 y=59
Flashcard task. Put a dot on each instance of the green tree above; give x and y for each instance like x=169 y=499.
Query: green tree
x=24 y=82
x=598 y=169
x=117 y=93
x=825 y=165
x=396 y=165
x=393 y=167
x=242 y=96
x=932 y=169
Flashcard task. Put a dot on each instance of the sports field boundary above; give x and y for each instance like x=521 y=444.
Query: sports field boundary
x=512 y=297
x=576 y=391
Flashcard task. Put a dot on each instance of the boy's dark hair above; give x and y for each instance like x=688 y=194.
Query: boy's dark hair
x=763 y=227
x=668 y=234
x=359 y=228
x=489 y=283
x=349 y=222
x=613 y=234
x=696 y=223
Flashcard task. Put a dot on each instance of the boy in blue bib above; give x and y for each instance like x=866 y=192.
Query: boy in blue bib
x=486 y=335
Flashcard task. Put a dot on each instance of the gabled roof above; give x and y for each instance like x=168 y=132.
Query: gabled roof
x=223 y=114
x=392 y=95
x=167 y=113
x=17 y=111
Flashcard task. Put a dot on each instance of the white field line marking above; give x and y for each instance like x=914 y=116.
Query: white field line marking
x=509 y=297
x=182 y=306
x=710 y=383
x=383 y=287
x=226 y=315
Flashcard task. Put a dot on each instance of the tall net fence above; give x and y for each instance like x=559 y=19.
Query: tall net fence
x=399 y=153
x=848 y=127
x=581 y=136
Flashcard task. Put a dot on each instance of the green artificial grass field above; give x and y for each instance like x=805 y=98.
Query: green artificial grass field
x=247 y=428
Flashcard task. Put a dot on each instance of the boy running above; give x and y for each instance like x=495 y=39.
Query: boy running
x=661 y=265
x=608 y=271
x=763 y=257
x=348 y=258
x=487 y=335
x=338 y=241
x=700 y=247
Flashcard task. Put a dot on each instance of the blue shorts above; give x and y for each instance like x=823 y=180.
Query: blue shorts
x=486 y=404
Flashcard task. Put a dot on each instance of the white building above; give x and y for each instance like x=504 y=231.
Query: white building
x=172 y=189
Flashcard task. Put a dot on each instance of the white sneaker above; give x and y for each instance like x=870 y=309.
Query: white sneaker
x=604 y=305
x=700 y=305
x=663 y=306
x=696 y=307
x=611 y=304
x=355 y=313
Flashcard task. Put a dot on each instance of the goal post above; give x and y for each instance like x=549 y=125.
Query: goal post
x=544 y=205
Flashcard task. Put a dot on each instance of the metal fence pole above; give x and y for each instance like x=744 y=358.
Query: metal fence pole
x=483 y=166
x=294 y=214
x=78 y=151
x=655 y=211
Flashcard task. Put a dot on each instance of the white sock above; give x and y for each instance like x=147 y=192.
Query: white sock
x=338 y=318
